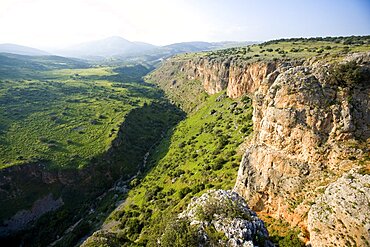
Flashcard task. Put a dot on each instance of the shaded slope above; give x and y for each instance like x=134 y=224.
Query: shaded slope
x=202 y=152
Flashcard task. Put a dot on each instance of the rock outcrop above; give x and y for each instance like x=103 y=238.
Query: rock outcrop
x=227 y=213
x=341 y=215
x=308 y=131
x=23 y=218
x=238 y=79
x=311 y=125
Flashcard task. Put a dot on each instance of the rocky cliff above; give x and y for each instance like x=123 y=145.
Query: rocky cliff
x=228 y=213
x=311 y=126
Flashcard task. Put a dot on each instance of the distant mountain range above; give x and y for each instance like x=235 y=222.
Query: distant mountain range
x=109 y=47
x=118 y=48
x=21 y=50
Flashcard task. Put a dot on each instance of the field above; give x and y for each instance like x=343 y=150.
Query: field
x=290 y=49
x=66 y=117
x=91 y=125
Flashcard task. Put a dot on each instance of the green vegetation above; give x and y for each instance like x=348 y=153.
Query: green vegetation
x=200 y=153
x=179 y=233
x=289 y=49
x=64 y=117
x=87 y=125
x=347 y=75
x=184 y=93
x=14 y=66
x=225 y=209
x=102 y=121
x=281 y=233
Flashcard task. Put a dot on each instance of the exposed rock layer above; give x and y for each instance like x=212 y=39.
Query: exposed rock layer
x=343 y=210
x=21 y=220
x=309 y=129
x=229 y=214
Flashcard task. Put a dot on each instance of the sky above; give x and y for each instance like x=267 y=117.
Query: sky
x=61 y=23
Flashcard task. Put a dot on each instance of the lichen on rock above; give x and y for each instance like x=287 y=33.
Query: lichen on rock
x=341 y=216
x=226 y=214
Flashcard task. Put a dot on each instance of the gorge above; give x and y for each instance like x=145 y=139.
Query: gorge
x=283 y=124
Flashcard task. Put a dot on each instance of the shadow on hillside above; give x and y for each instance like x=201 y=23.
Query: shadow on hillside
x=89 y=194
x=124 y=74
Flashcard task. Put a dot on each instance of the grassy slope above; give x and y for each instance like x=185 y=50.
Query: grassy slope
x=288 y=49
x=202 y=152
x=68 y=117
x=192 y=160
x=65 y=118
x=142 y=129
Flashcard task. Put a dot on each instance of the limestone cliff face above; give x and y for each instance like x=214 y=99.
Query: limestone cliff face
x=308 y=132
x=343 y=210
x=238 y=79
x=310 y=128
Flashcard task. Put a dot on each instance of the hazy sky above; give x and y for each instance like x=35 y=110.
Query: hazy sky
x=58 y=23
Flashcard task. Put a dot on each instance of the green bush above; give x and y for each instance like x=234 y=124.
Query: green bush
x=184 y=191
x=347 y=74
x=290 y=240
x=133 y=227
x=151 y=193
x=135 y=182
x=180 y=233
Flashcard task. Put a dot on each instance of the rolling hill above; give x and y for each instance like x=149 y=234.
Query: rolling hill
x=112 y=46
x=21 y=50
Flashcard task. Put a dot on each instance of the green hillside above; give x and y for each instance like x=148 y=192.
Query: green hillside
x=85 y=127
x=202 y=152
x=290 y=49
x=66 y=116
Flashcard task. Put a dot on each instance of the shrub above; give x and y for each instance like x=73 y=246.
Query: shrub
x=291 y=240
x=181 y=144
x=178 y=173
x=133 y=226
x=43 y=139
x=244 y=129
x=226 y=209
x=135 y=182
x=347 y=74
x=180 y=233
x=184 y=191
x=197 y=188
x=151 y=193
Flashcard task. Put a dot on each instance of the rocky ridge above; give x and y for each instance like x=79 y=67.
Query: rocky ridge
x=311 y=126
x=229 y=214
x=340 y=216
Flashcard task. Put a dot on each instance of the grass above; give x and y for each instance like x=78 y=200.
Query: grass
x=281 y=233
x=66 y=118
x=288 y=49
x=199 y=154
x=97 y=122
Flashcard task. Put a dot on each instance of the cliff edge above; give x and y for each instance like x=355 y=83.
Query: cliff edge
x=311 y=123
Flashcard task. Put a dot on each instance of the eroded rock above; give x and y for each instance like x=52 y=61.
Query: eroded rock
x=227 y=213
x=341 y=216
